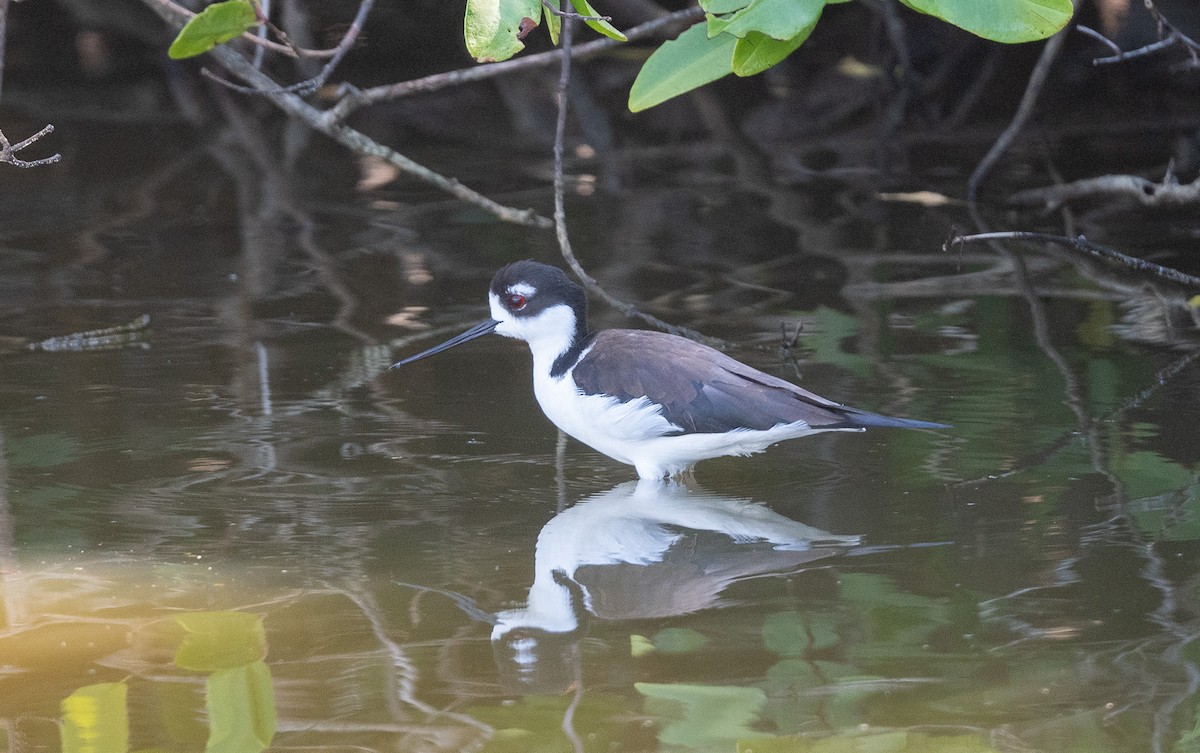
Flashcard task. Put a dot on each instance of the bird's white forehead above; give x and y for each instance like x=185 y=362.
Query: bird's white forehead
x=521 y=288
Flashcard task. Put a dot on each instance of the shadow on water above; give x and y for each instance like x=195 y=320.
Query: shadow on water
x=204 y=519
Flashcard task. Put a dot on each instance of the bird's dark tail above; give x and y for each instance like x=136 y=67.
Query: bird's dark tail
x=857 y=419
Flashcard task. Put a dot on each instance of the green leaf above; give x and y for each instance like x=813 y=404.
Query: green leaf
x=679 y=640
x=710 y=714
x=825 y=340
x=490 y=27
x=719 y=7
x=216 y=24
x=553 y=24
x=604 y=27
x=687 y=62
x=778 y=19
x=789 y=634
x=1008 y=21
x=95 y=719
x=640 y=645
x=757 y=52
x=220 y=640
x=241 y=709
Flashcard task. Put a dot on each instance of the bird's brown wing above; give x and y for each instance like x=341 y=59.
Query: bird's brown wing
x=700 y=389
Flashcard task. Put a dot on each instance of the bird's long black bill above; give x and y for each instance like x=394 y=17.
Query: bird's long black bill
x=479 y=330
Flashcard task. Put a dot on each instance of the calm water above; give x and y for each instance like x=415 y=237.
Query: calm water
x=233 y=528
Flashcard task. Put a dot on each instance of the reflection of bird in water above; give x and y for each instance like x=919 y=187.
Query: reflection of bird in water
x=620 y=551
x=655 y=401
x=641 y=550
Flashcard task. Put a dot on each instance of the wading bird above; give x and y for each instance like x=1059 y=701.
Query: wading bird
x=655 y=401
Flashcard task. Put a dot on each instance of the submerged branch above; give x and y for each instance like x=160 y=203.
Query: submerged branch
x=1080 y=243
x=1146 y=192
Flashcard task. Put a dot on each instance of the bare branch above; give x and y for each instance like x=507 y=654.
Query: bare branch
x=1146 y=192
x=349 y=137
x=1169 y=36
x=357 y=99
x=560 y=213
x=1036 y=80
x=8 y=151
x=1080 y=243
x=569 y=14
x=1089 y=31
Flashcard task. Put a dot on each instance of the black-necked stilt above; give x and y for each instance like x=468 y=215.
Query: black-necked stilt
x=658 y=402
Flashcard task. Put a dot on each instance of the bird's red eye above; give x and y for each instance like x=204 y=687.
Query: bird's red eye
x=516 y=301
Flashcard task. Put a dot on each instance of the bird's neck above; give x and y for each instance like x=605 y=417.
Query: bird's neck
x=556 y=349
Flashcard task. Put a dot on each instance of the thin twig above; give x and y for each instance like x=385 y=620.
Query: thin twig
x=8 y=151
x=570 y=14
x=560 y=214
x=1169 y=35
x=1089 y=31
x=1036 y=80
x=173 y=11
x=361 y=98
x=1080 y=243
x=304 y=88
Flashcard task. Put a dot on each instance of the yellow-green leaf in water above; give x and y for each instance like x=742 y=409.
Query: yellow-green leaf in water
x=640 y=645
x=1194 y=301
x=703 y=716
x=679 y=640
x=95 y=719
x=241 y=709
x=216 y=24
x=220 y=640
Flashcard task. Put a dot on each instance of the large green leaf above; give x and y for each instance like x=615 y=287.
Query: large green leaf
x=778 y=19
x=604 y=27
x=757 y=52
x=705 y=714
x=490 y=27
x=241 y=709
x=689 y=61
x=95 y=719
x=1009 y=21
x=719 y=7
x=790 y=634
x=216 y=24
x=220 y=640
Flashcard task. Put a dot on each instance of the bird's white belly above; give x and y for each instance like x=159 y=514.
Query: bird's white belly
x=635 y=432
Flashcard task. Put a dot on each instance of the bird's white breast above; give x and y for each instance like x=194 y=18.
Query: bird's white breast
x=600 y=421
